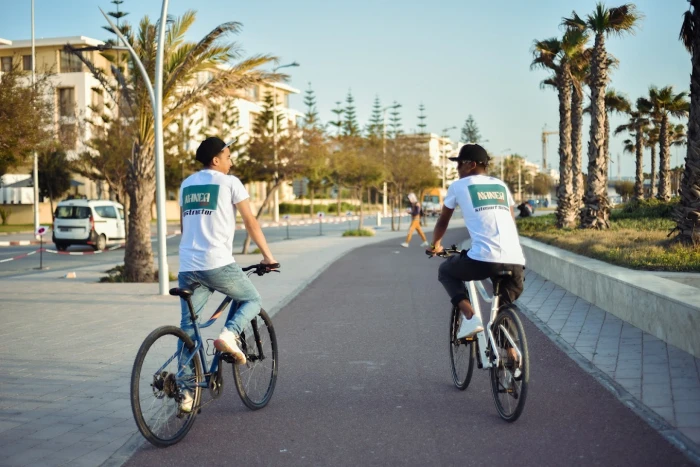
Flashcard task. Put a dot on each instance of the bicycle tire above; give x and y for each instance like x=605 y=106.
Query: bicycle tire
x=504 y=383
x=162 y=423
x=459 y=351
x=255 y=381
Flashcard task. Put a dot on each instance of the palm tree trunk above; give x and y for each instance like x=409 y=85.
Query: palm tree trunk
x=664 y=162
x=639 y=174
x=596 y=211
x=138 y=257
x=576 y=144
x=687 y=213
x=566 y=205
x=652 y=175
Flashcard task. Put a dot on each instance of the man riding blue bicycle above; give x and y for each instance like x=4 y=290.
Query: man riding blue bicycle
x=487 y=207
x=209 y=200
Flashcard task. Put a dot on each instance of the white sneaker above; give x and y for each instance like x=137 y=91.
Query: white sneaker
x=425 y=244
x=228 y=342
x=469 y=327
x=404 y=244
x=187 y=401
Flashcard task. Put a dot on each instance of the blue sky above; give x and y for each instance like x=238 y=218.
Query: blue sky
x=457 y=57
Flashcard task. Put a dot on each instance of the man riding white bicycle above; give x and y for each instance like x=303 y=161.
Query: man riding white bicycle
x=487 y=207
x=209 y=200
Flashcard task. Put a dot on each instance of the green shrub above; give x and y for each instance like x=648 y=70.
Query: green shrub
x=359 y=233
x=289 y=208
x=645 y=208
x=116 y=274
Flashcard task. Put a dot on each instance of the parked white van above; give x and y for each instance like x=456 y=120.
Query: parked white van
x=88 y=222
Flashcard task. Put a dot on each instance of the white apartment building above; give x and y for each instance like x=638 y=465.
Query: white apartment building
x=439 y=149
x=77 y=93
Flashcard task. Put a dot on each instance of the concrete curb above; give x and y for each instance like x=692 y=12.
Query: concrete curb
x=671 y=434
x=661 y=307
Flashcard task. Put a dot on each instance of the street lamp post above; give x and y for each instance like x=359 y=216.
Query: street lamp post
x=157 y=104
x=503 y=160
x=385 y=191
x=276 y=194
x=444 y=156
x=35 y=170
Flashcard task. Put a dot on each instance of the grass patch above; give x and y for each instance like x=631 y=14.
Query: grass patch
x=17 y=228
x=359 y=233
x=116 y=274
x=637 y=239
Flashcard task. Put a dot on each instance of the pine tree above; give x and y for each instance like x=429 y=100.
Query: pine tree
x=263 y=124
x=395 y=121
x=338 y=123
x=311 y=115
x=421 y=120
x=375 y=128
x=470 y=131
x=118 y=15
x=350 y=126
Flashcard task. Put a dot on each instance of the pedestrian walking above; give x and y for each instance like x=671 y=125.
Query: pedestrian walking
x=415 y=211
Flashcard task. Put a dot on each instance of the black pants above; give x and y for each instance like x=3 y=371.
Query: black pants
x=457 y=269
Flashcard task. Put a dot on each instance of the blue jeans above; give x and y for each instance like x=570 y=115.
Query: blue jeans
x=229 y=280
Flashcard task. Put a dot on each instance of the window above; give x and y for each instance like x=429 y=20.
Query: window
x=106 y=211
x=27 y=62
x=121 y=213
x=68 y=135
x=72 y=212
x=6 y=64
x=286 y=100
x=70 y=63
x=66 y=102
x=254 y=93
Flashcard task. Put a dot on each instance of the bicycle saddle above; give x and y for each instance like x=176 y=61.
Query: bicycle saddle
x=184 y=293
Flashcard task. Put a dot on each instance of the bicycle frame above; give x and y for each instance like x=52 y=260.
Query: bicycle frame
x=199 y=346
x=476 y=286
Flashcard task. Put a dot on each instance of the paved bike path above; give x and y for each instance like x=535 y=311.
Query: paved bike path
x=365 y=380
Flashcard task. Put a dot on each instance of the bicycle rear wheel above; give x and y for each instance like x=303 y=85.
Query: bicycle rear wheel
x=509 y=380
x=157 y=393
x=255 y=381
x=462 y=353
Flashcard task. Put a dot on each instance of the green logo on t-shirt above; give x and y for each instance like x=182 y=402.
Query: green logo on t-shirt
x=200 y=197
x=488 y=195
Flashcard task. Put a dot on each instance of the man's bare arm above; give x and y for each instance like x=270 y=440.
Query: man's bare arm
x=254 y=230
x=441 y=227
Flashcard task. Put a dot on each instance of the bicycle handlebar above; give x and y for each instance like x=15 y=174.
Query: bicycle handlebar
x=445 y=253
x=261 y=269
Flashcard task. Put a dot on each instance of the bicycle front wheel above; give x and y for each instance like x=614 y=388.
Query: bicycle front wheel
x=462 y=353
x=255 y=381
x=509 y=380
x=157 y=393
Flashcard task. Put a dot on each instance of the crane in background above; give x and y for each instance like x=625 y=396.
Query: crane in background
x=545 y=135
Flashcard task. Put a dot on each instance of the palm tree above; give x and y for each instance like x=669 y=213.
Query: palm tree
x=687 y=214
x=665 y=103
x=635 y=127
x=556 y=55
x=580 y=73
x=602 y=22
x=677 y=137
x=651 y=140
x=183 y=63
x=617 y=103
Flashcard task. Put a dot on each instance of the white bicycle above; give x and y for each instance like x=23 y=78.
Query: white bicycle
x=500 y=348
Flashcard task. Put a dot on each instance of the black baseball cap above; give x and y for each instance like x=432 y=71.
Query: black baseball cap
x=471 y=152
x=210 y=147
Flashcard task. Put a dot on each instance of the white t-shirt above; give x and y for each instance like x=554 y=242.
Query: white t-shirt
x=485 y=203
x=208 y=200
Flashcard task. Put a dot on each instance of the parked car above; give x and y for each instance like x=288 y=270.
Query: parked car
x=87 y=222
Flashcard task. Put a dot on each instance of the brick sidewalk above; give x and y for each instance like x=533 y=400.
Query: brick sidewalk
x=659 y=380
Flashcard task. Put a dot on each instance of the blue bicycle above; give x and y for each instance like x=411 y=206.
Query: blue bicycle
x=169 y=363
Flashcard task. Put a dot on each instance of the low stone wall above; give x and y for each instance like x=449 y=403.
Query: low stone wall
x=661 y=307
